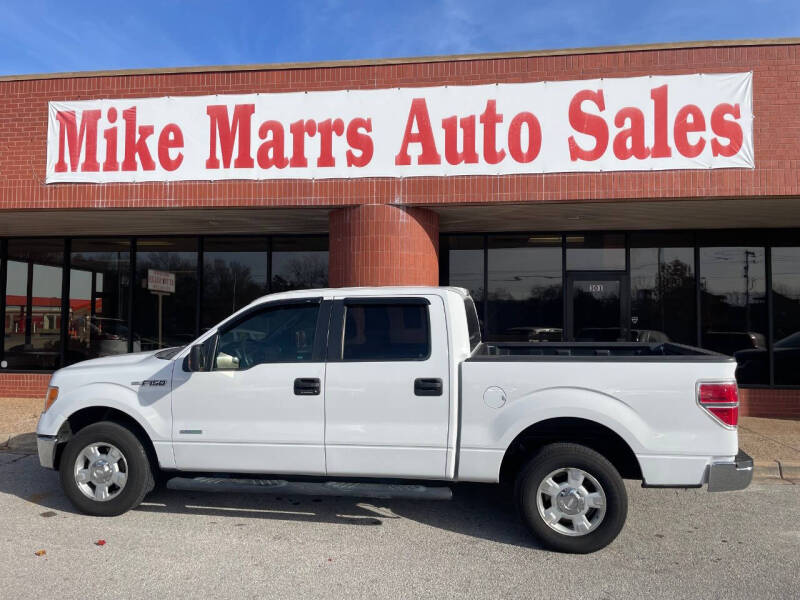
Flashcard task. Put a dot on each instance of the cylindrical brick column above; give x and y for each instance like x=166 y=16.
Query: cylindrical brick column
x=381 y=244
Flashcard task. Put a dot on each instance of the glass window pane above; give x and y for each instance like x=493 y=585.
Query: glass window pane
x=284 y=334
x=786 y=319
x=663 y=294
x=734 y=317
x=525 y=294
x=33 y=304
x=99 y=282
x=596 y=252
x=177 y=256
x=299 y=263
x=234 y=274
x=465 y=267
x=386 y=332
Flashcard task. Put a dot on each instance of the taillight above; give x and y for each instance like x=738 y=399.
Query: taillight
x=721 y=401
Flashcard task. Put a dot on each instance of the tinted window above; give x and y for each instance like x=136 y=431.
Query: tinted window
x=786 y=320
x=596 y=252
x=386 y=332
x=473 y=325
x=282 y=334
x=299 y=263
x=464 y=266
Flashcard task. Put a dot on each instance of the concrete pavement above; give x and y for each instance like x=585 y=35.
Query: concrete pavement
x=676 y=544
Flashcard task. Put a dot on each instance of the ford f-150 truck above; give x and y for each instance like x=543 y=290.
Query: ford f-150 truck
x=395 y=385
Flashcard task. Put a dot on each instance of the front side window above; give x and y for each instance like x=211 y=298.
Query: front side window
x=275 y=335
x=389 y=332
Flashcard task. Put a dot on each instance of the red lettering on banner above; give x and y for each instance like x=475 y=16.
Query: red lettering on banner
x=271 y=153
x=515 y=137
x=136 y=145
x=220 y=125
x=730 y=130
x=661 y=147
x=418 y=114
x=326 y=130
x=359 y=141
x=630 y=142
x=171 y=138
x=110 y=135
x=689 y=119
x=299 y=129
x=490 y=119
x=451 y=153
x=589 y=124
x=70 y=135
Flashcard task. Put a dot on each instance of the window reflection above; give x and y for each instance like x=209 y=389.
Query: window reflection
x=733 y=294
x=299 y=263
x=98 y=299
x=172 y=255
x=525 y=292
x=786 y=319
x=32 y=327
x=596 y=252
x=663 y=291
x=234 y=274
x=465 y=267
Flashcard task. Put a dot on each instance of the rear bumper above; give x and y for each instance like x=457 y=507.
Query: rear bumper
x=46 y=445
x=730 y=476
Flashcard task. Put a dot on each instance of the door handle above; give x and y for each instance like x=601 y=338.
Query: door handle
x=428 y=386
x=307 y=386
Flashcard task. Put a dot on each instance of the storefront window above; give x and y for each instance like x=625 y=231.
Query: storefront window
x=299 y=263
x=99 y=282
x=32 y=328
x=525 y=300
x=663 y=288
x=464 y=267
x=234 y=274
x=177 y=256
x=734 y=317
x=786 y=315
x=596 y=252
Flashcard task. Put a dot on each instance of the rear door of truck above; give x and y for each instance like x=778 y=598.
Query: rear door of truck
x=387 y=387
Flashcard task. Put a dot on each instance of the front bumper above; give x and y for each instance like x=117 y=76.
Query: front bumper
x=730 y=476
x=47 y=445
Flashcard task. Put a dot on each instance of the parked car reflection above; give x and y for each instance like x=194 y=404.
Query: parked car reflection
x=753 y=364
x=617 y=334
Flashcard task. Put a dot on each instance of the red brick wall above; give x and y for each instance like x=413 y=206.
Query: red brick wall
x=776 y=85
x=782 y=404
x=381 y=244
x=23 y=385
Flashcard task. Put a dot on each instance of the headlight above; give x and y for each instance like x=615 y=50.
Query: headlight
x=52 y=395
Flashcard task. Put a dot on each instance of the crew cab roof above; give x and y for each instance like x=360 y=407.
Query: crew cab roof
x=361 y=291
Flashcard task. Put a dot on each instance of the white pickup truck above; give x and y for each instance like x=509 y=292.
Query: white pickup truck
x=393 y=385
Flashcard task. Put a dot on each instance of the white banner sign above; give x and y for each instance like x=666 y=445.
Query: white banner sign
x=160 y=281
x=624 y=124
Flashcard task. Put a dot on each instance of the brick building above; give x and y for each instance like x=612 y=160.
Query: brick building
x=658 y=250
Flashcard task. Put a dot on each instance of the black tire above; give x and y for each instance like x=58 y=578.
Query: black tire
x=139 y=472
x=561 y=456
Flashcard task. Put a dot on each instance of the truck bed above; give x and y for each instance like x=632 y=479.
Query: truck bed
x=625 y=351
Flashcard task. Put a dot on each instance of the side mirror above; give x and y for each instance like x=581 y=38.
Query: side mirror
x=197 y=358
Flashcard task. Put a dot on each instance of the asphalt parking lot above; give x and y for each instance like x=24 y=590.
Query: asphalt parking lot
x=677 y=544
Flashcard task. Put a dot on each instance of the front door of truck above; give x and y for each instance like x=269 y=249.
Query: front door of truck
x=387 y=388
x=260 y=404
x=597 y=307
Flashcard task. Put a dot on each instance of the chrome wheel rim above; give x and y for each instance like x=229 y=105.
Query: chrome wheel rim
x=571 y=501
x=101 y=471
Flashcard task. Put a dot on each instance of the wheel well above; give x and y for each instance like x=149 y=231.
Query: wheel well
x=567 y=429
x=94 y=414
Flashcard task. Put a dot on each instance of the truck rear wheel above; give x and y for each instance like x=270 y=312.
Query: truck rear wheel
x=105 y=470
x=571 y=498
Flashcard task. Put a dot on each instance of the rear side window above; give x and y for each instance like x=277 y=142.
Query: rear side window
x=473 y=324
x=389 y=332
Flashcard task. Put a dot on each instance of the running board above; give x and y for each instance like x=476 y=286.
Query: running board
x=308 y=488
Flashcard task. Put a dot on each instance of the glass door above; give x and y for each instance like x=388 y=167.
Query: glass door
x=597 y=307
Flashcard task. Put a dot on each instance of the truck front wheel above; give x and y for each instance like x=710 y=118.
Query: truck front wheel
x=105 y=470
x=571 y=498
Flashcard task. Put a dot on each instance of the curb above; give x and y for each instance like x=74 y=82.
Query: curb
x=776 y=469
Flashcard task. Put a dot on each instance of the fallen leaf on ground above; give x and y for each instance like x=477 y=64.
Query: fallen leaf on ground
x=100 y=543
x=40 y=553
